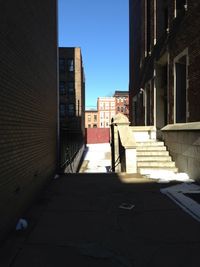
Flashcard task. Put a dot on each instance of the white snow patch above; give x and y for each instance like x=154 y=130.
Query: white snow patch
x=177 y=194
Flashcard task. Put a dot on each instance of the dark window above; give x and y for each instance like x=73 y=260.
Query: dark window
x=62 y=110
x=70 y=64
x=89 y=125
x=61 y=64
x=62 y=88
x=71 y=110
x=180 y=6
x=181 y=78
x=148 y=30
x=94 y=126
x=70 y=88
x=122 y=109
x=95 y=117
x=118 y=108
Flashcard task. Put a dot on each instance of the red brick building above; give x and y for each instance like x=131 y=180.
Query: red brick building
x=122 y=102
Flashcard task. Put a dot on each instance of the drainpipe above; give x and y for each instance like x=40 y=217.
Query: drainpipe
x=58 y=99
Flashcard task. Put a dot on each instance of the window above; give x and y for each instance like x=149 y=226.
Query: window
x=180 y=83
x=61 y=64
x=101 y=105
x=148 y=27
x=181 y=5
x=71 y=110
x=70 y=88
x=122 y=109
x=62 y=110
x=94 y=126
x=89 y=118
x=118 y=108
x=112 y=105
x=95 y=117
x=62 y=88
x=106 y=105
x=89 y=125
x=107 y=124
x=70 y=64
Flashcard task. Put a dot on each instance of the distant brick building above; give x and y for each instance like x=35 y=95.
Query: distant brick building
x=28 y=103
x=91 y=119
x=106 y=110
x=72 y=89
x=165 y=75
x=72 y=104
x=122 y=102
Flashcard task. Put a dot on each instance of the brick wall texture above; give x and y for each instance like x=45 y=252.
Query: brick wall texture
x=182 y=34
x=97 y=135
x=28 y=103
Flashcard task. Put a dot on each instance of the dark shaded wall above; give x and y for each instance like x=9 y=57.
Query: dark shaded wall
x=28 y=103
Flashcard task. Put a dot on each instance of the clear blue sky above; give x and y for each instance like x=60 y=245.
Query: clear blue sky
x=100 y=28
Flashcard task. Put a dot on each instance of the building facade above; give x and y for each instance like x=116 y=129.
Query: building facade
x=72 y=104
x=91 y=119
x=122 y=102
x=106 y=111
x=72 y=89
x=164 y=72
x=28 y=104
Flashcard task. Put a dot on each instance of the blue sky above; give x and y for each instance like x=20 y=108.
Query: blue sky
x=100 y=28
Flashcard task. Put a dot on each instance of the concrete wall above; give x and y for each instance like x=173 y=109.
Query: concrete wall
x=97 y=135
x=184 y=147
x=28 y=103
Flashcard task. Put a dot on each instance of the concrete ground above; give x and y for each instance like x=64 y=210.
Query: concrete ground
x=103 y=219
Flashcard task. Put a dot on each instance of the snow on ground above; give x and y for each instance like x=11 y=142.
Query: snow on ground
x=98 y=157
x=178 y=193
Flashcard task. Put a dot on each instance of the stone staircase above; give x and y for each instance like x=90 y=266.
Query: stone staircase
x=152 y=156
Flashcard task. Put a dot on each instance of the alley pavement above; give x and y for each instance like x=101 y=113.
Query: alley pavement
x=103 y=220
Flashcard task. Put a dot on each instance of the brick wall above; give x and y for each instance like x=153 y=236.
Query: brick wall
x=28 y=103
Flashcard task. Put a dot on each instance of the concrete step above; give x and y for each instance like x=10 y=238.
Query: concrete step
x=153 y=158
x=155 y=143
x=151 y=148
x=156 y=164
x=149 y=170
x=152 y=153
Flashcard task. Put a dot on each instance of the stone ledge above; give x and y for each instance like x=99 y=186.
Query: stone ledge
x=190 y=126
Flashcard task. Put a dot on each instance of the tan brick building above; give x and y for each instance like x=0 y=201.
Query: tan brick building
x=106 y=110
x=28 y=103
x=91 y=119
x=165 y=74
x=122 y=102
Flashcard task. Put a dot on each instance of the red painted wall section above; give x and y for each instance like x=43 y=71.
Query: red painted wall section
x=97 y=135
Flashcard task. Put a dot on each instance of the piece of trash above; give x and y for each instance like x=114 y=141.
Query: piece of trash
x=126 y=206
x=21 y=224
x=56 y=176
